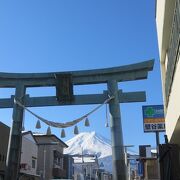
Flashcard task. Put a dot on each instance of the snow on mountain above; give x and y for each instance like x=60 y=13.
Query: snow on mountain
x=91 y=143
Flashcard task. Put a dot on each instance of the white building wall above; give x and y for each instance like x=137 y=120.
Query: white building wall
x=164 y=20
x=160 y=21
x=160 y=6
x=173 y=111
x=28 y=153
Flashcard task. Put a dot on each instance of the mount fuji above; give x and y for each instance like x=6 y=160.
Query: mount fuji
x=92 y=143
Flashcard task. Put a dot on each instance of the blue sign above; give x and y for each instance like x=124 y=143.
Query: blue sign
x=153 y=117
x=155 y=111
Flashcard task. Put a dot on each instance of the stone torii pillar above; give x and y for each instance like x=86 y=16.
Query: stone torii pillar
x=111 y=76
x=119 y=167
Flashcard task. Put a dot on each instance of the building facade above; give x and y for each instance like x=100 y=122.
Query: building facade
x=50 y=157
x=85 y=166
x=148 y=168
x=4 y=138
x=29 y=152
x=168 y=29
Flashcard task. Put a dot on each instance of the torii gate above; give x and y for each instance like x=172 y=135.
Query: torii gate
x=111 y=76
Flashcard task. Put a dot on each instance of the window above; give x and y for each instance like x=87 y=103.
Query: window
x=33 y=163
x=61 y=163
x=58 y=159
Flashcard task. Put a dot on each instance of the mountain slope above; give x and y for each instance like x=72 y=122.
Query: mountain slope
x=91 y=143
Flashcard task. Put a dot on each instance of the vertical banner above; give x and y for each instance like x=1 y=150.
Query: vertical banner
x=153 y=118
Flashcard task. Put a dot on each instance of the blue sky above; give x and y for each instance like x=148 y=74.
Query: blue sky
x=63 y=35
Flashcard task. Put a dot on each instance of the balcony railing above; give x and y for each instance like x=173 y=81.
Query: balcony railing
x=173 y=50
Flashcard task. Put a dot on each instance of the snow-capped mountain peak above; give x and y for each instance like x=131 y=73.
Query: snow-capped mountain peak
x=94 y=144
x=89 y=143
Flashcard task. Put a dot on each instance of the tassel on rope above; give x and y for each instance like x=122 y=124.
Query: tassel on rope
x=86 y=122
x=38 y=124
x=107 y=124
x=23 y=121
x=76 y=131
x=63 y=133
x=48 y=131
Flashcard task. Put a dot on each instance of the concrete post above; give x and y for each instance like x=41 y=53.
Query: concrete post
x=44 y=163
x=157 y=147
x=119 y=168
x=15 y=141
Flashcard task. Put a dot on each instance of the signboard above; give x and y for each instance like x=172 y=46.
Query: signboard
x=153 y=118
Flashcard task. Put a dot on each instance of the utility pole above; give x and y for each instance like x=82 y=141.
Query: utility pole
x=157 y=148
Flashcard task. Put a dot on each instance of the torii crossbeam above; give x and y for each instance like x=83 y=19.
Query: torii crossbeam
x=110 y=76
